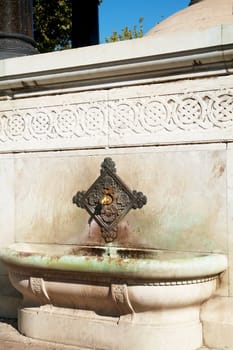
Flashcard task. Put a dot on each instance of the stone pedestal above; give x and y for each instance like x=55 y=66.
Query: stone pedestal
x=85 y=328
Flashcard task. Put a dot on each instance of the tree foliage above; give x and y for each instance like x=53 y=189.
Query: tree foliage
x=52 y=24
x=126 y=33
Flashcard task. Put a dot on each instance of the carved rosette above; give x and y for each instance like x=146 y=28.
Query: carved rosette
x=108 y=200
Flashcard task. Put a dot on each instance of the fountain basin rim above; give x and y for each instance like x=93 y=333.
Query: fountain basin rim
x=116 y=262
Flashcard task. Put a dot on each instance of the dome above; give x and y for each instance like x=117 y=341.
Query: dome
x=200 y=14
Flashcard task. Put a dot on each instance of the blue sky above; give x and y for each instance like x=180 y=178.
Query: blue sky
x=116 y=14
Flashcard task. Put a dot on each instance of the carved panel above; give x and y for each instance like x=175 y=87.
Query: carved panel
x=52 y=122
x=164 y=116
x=167 y=114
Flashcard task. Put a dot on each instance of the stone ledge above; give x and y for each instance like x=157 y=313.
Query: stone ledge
x=169 y=57
x=11 y=339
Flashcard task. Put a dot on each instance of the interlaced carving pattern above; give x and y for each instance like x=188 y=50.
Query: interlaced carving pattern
x=210 y=110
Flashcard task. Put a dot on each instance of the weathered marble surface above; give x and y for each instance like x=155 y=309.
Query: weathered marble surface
x=185 y=187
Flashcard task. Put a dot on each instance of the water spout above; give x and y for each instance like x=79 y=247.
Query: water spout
x=108 y=200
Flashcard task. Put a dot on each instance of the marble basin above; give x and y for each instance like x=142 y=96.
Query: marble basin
x=123 y=263
x=137 y=296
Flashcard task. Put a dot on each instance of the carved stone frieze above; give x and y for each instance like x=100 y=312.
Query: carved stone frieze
x=104 y=121
x=49 y=123
x=171 y=113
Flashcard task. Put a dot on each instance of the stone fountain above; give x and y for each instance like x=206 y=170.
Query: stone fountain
x=129 y=297
x=112 y=298
x=125 y=268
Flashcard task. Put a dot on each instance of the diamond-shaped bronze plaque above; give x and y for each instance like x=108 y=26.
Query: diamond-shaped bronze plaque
x=108 y=200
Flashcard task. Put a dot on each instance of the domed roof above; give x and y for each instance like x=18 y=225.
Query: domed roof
x=200 y=14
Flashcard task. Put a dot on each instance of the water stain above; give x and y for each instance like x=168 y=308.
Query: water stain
x=87 y=251
x=25 y=254
x=135 y=254
x=218 y=170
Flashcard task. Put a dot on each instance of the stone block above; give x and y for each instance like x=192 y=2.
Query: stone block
x=217 y=320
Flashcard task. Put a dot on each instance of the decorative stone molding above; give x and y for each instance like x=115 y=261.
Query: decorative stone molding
x=38 y=289
x=120 y=296
x=171 y=113
x=32 y=288
x=198 y=116
x=184 y=282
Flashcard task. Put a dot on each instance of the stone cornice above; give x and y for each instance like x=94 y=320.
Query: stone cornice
x=150 y=59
